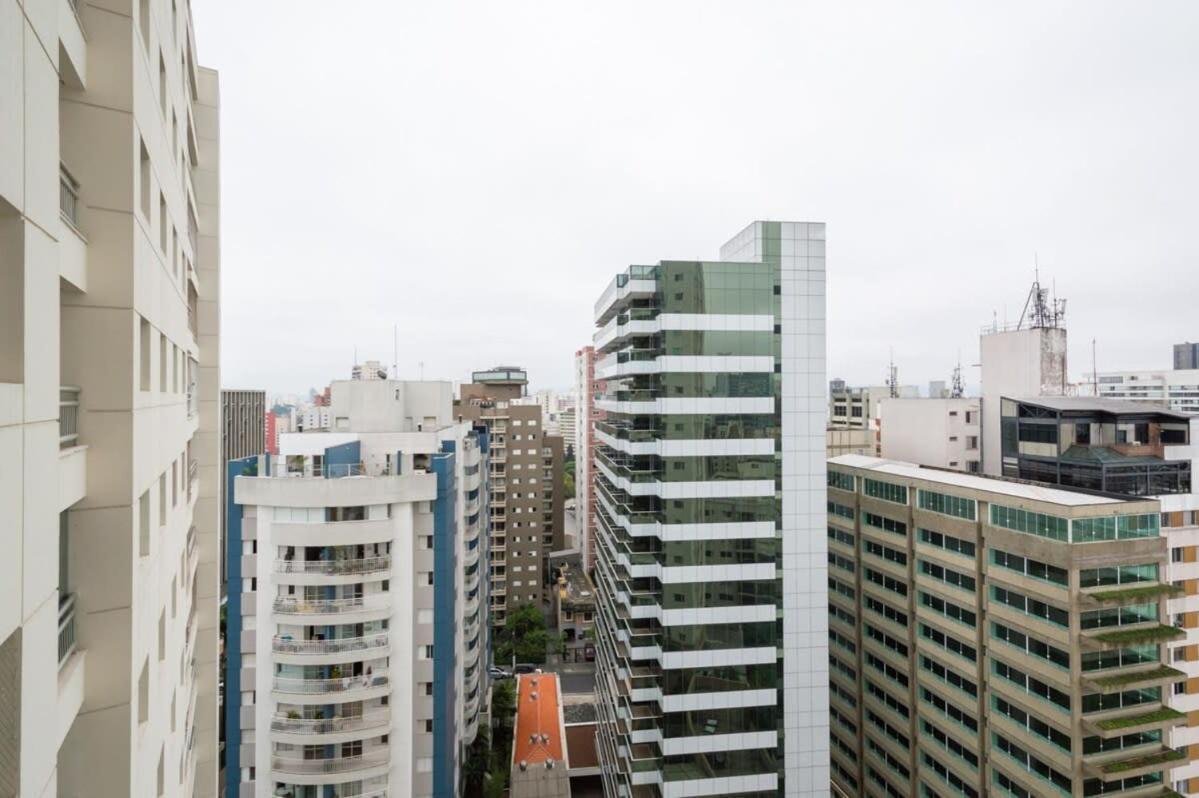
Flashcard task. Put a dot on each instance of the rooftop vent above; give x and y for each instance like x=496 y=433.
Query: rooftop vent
x=524 y=765
x=549 y=764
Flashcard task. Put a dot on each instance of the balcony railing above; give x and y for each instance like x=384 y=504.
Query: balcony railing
x=292 y=605
x=334 y=567
x=370 y=720
x=323 y=686
x=68 y=416
x=193 y=400
x=285 y=645
x=68 y=196
x=191 y=542
x=341 y=764
x=66 y=629
x=193 y=470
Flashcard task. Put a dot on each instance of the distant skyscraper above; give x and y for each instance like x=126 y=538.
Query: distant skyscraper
x=711 y=549
x=526 y=504
x=836 y=385
x=243 y=433
x=1186 y=356
x=370 y=370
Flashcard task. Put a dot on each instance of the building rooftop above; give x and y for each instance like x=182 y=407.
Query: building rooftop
x=538 y=735
x=1006 y=487
x=1104 y=455
x=1117 y=407
x=575 y=587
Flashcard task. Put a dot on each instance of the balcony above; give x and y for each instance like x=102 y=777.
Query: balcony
x=380 y=719
x=315 y=767
x=68 y=416
x=286 y=645
x=328 y=686
x=66 y=629
x=359 y=567
x=293 y=605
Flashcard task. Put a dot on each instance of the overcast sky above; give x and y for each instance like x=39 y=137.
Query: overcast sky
x=475 y=173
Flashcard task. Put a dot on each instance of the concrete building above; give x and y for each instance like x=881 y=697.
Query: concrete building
x=711 y=558
x=1177 y=390
x=539 y=766
x=1186 y=356
x=992 y=637
x=357 y=634
x=370 y=370
x=850 y=441
x=941 y=432
x=315 y=418
x=526 y=504
x=109 y=406
x=567 y=424
x=243 y=434
x=1017 y=362
x=574 y=613
x=270 y=434
x=586 y=390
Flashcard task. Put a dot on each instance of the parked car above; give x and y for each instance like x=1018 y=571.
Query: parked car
x=524 y=667
x=498 y=673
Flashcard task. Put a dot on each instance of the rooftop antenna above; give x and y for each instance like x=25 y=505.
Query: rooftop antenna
x=959 y=389
x=893 y=377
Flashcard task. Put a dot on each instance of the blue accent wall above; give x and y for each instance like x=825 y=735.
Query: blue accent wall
x=347 y=454
x=246 y=466
x=445 y=624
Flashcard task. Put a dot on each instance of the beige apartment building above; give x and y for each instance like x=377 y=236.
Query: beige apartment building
x=990 y=636
x=109 y=406
x=526 y=488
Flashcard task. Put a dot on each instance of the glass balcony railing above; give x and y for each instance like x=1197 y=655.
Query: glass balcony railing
x=323 y=686
x=283 y=644
x=366 y=565
x=340 y=764
x=294 y=605
x=68 y=416
x=336 y=725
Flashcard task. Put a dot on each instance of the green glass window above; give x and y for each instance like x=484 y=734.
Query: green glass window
x=946 y=504
x=1102 y=702
x=1032 y=764
x=840 y=510
x=1031 y=684
x=1030 y=645
x=948 y=609
x=1119 y=616
x=1119 y=527
x=885 y=524
x=947 y=542
x=1117 y=575
x=1119 y=658
x=1031 y=606
x=1033 y=568
x=887 y=491
x=1028 y=522
x=841 y=480
x=1032 y=723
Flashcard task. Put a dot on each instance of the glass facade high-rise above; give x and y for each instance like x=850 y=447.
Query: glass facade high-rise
x=710 y=549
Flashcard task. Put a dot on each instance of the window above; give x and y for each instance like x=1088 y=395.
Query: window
x=841 y=481
x=162 y=363
x=162 y=84
x=162 y=222
x=947 y=575
x=1040 y=524
x=143 y=523
x=1117 y=575
x=162 y=499
x=1122 y=527
x=162 y=635
x=886 y=491
x=144 y=354
x=143 y=693
x=1031 y=606
x=1031 y=684
x=947 y=542
x=1033 y=568
x=143 y=21
x=946 y=504
x=145 y=181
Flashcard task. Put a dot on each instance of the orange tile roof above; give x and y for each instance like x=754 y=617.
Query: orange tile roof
x=537 y=716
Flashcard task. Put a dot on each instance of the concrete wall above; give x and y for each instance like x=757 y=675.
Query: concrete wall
x=931 y=432
x=1020 y=363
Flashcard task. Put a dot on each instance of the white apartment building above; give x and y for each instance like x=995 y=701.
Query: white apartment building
x=941 y=432
x=1177 y=389
x=315 y=417
x=358 y=640
x=109 y=405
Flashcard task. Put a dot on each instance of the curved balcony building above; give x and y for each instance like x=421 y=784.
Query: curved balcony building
x=359 y=623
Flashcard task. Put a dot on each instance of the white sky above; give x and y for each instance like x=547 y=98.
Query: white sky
x=476 y=172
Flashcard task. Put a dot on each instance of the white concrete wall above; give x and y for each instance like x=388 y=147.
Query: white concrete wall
x=1021 y=363
x=923 y=431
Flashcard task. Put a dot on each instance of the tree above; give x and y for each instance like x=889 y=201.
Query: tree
x=523 y=636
